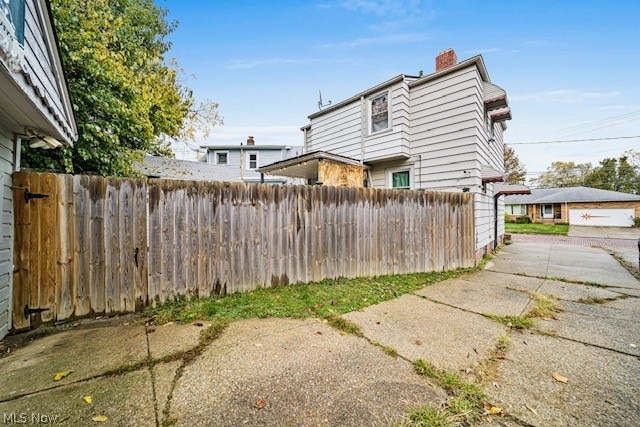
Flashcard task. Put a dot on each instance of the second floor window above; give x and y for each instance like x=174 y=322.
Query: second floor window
x=380 y=113
x=222 y=158
x=252 y=161
x=14 y=11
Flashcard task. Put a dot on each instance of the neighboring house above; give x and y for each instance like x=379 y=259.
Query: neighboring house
x=34 y=109
x=168 y=168
x=242 y=161
x=442 y=131
x=576 y=206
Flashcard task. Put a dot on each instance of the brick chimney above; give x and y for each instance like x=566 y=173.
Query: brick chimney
x=250 y=141
x=446 y=59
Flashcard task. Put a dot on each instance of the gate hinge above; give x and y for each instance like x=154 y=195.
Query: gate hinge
x=28 y=311
x=28 y=195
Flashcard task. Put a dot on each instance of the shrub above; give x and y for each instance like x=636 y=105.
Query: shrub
x=523 y=220
x=561 y=223
x=508 y=220
x=636 y=221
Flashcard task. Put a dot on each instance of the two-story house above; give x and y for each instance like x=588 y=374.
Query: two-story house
x=35 y=109
x=240 y=162
x=441 y=131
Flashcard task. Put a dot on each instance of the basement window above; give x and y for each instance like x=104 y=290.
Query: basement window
x=379 y=107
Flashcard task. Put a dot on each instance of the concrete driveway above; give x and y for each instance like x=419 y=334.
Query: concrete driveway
x=303 y=372
x=628 y=233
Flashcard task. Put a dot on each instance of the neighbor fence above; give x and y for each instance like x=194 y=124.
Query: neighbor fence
x=88 y=244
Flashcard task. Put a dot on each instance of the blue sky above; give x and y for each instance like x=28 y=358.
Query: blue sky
x=571 y=68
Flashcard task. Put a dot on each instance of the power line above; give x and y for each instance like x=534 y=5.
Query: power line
x=572 y=140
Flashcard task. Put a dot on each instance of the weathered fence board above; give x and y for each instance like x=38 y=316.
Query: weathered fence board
x=98 y=245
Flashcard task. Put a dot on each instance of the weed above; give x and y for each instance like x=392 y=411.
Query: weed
x=343 y=324
x=465 y=399
x=503 y=344
x=426 y=416
x=389 y=350
x=517 y=322
x=544 y=307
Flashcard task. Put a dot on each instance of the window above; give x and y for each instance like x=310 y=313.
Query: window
x=547 y=211
x=380 y=113
x=516 y=210
x=222 y=158
x=252 y=160
x=14 y=10
x=401 y=179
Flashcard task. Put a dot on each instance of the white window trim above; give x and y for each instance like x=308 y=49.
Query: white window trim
x=542 y=214
x=390 y=173
x=215 y=158
x=248 y=163
x=370 y=99
x=522 y=210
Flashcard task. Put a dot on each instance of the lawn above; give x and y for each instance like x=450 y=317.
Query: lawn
x=558 y=229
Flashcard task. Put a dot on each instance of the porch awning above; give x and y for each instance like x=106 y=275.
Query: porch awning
x=306 y=165
x=510 y=189
x=489 y=174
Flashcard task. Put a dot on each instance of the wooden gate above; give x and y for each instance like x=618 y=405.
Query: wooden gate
x=79 y=246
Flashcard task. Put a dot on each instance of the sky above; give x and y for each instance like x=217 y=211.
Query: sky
x=571 y=69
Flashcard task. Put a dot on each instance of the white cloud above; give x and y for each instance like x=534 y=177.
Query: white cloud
x=372 y=41
x=565 y=95
x=245 y=64
x=482 y=51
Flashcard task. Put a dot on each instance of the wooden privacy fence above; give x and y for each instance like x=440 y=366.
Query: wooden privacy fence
x=88 y=244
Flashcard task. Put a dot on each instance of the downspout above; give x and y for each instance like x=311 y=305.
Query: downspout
x=304 y=142
x=495 y=223
x=363 y=128
x=420 y=171
x=17 y=155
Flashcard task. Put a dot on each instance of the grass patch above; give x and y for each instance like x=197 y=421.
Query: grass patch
x=503 y=344
x=557 y=229
x=326 y=299
x=464 y=405
x=517 y=322
x=595 y=300
x=389 y=350
x=544 y=307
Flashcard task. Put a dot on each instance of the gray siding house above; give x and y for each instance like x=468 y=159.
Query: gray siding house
x=442 y=131
x=34 y=109
x=242 y=161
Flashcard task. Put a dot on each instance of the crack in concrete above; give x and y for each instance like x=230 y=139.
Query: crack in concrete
x=152 y=375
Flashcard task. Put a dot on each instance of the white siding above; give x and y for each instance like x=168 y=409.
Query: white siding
x=6 y=236
x=237 y=159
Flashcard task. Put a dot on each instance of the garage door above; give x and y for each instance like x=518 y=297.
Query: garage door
x=601 y=217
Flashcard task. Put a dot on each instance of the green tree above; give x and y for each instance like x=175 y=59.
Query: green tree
x=616 y=175
x=515 y=171
x=125 y=95
x=563 y=174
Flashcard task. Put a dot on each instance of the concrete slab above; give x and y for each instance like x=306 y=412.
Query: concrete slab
x=480 y=294
x=296 y=372
x=88 y=352
x=126 y=400
x=626 y=291
x=629 y=255
x=599 y=325
x=602 y=387
x=420 y=329
x=574 y=291
x=565 y=262
x=173 y=337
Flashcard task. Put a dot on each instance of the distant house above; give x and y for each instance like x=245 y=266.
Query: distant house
x=168 y=168
x=241 y=162
x=576 y=206
x=442 y=131
x=35 y=109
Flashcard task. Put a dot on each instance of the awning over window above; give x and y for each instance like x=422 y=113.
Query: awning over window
x=510 y=189
x=489 y=174
x=493 y=96
x=500 y=115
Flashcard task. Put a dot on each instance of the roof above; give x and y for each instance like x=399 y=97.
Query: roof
x=570 y=194
x=166 y=167
x=247 y=147
x=306 y=165
x=490 y=174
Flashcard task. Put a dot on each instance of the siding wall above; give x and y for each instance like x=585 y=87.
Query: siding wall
x=340 y=131
x=238 y=159
x=6 y=235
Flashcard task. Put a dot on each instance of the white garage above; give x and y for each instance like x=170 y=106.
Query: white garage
x=602 y=217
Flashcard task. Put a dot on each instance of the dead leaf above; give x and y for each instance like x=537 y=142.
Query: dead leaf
x=260 y=404
x=88 y=399
x=100 y=418
x=377 y=322
x=198 y=324
x=531 y=409
x=560 y=378
x=61 y=375
x=258 y=344
x=491 y=410
x=495 y=384
x=318 y=332
x=75 y=324
x=633 y=345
